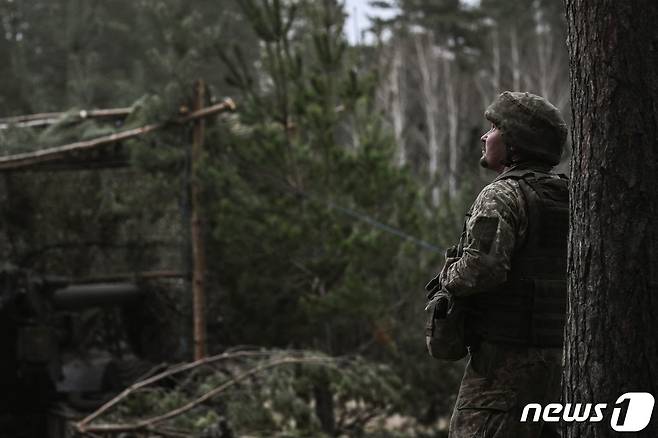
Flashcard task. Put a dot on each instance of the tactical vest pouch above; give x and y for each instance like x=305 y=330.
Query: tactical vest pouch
x=444 y=332
x=549 y=313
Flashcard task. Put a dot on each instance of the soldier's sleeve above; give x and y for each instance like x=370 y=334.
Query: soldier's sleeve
x=497 y=224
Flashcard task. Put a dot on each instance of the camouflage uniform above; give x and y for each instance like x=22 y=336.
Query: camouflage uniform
x=508 y=278
x=499 y=379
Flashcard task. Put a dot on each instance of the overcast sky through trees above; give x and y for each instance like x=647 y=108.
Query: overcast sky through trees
x=358 y=21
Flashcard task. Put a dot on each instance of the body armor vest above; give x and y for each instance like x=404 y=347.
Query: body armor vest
x=529 y=308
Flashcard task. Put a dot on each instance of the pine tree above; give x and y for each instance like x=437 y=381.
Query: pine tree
x=610 y=345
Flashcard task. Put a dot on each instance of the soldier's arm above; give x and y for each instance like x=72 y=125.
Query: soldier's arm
x=495 y=227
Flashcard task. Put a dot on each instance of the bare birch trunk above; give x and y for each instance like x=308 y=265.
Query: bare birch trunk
x=543 y=53
x=430 y=103
x=450 y=84
x=516 y=59
x=398 y=104
x=495 y=78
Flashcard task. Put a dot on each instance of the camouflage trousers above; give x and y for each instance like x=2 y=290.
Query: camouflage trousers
x=498 y=382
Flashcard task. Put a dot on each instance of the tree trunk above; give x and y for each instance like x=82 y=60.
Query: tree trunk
x=397 y=99
x=612 y=331
x=324 y=406
x=495 y=78
x=451 y=82
x=544 y=52
x=516 y=59
x=198 y=246
x=428 y=73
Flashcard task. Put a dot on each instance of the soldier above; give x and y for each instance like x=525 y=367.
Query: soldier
x=506 y=280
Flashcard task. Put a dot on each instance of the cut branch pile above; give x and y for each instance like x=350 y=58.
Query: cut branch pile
x=252 y=391
x=85 y=426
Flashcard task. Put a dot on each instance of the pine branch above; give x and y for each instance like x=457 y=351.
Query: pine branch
x=84 y=427
x=167 y=373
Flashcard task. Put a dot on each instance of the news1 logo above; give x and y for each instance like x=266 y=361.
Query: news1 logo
x=631 y=412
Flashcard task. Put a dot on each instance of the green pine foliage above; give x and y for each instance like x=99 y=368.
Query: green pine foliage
x=309 y=224
x=270 y=393
x=292 y=182
x=307 y=146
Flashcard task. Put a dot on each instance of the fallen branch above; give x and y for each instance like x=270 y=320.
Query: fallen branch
x=27 y=159
x=84 y=427
x=44 y=119
x=170 y=372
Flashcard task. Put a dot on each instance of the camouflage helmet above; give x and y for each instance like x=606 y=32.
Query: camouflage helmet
x=529 y=123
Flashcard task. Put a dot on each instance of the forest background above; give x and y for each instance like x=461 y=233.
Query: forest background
x=328 y=197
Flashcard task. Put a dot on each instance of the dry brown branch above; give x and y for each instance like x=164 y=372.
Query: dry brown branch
x=226 y=105
x=44 y=155
x=30 y=117
x=84 y=427
x=27 y=159
x=50 y=118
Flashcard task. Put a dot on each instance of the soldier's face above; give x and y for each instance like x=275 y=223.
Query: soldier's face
x=494 y=151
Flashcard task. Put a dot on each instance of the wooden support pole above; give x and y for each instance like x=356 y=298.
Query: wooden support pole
x=198 y=255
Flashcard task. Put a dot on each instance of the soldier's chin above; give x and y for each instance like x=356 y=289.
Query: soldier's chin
x=483 y=162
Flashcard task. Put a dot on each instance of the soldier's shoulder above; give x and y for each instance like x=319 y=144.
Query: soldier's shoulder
x=503 y=185
x=502 y=194
x=501 y=189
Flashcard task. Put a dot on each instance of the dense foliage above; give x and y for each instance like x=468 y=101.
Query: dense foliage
x=322 y=216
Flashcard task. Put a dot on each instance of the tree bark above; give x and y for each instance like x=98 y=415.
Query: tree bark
x=611 y=342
